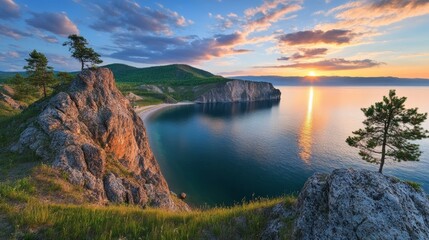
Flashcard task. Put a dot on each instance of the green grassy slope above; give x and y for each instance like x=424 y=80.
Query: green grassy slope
x=177 y=82
x=27 y=213
x=172 y=75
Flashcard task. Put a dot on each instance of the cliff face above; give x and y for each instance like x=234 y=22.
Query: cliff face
x=91 y=132
x=351 y=204
x=240 y=91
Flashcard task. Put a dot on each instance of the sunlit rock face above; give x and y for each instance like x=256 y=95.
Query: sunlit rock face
x=92 y=133
x=240 y=91
x=360 y=204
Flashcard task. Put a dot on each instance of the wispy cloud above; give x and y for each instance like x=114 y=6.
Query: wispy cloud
x=334 y=64
x=57 y=23
x=118 y=15
x=306 y=53
x=13 y=33
x=363 y=15
x=334 y=36
x=9 y=9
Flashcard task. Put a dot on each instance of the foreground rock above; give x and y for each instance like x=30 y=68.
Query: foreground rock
x=91 y=132
x=240 y=91
x=351 y=204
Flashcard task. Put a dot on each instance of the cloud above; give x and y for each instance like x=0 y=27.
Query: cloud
x=283 y=58
x=362 y=15
x=333 y=64
x=305 y=53
x=129 y=15
x=9 y=9
x=13 y=33
x=228 y=39
x=146 y=35
x=8 y=55
x=262 y=17
x=190 y=49
x=228 y=21
x=57 y=23
x=49 y=39
x=334 y=36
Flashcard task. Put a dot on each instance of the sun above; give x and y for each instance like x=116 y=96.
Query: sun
x=312 y=74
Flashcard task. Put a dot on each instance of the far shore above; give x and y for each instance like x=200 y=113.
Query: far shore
x=145 y=111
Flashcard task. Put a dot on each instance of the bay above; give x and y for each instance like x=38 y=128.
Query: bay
x=220 y=154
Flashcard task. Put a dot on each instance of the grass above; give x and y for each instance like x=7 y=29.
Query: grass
x=416 y=186
x=32 y=215
x=38 y=220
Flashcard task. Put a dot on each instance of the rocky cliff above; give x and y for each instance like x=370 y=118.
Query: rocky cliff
x=351 y=204
x=91 y=133
x=240 y=91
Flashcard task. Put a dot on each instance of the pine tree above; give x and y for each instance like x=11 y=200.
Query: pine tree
x=80 y=51
x=39 y=73
x=389 y=127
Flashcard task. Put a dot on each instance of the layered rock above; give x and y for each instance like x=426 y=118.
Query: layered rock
x=91 y=132
x=10 y=101
x=240 y=91
x=350 y=204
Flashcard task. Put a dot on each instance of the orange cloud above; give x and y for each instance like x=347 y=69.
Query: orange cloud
x=364 y=14
x=334 y=64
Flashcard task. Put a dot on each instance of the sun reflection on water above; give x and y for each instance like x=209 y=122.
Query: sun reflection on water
x=305 y=135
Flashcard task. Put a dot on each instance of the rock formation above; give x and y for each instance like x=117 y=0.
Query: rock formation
x=240 y=91
x=351 y=204
x=10 y=101
x=91 y=132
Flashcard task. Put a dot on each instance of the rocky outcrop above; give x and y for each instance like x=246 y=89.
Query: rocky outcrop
x=240 y=91
x=351 y=204
x=91 y=132
x=11 y=102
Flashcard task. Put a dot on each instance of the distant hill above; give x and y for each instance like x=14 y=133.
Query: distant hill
x=6 y=75
x=337 y=81
x=176 y=74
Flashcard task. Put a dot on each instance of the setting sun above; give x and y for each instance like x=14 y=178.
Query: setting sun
x=312 y=74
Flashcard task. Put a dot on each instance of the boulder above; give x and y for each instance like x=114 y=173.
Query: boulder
x=360 y=204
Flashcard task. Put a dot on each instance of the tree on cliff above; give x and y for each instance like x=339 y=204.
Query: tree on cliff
x=389 y=127
x=80 y=51
x=39 y=73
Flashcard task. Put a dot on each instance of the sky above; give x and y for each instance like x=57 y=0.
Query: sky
x=226 y=37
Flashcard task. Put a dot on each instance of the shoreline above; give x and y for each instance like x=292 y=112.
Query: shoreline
x=146 y=111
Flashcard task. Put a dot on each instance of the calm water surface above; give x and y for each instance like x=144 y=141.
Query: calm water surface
x=220 y=154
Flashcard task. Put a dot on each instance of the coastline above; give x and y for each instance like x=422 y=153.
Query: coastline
x=147 y=111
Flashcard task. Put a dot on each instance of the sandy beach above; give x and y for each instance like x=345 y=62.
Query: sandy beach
x=146 y=111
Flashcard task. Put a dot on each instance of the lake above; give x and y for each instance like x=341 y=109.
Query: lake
x=223 y=153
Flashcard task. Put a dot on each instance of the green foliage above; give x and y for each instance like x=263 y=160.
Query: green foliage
x=80 y=51
x=389 y=128
x=416 y=186
x=64 y=78
x=39 y=73
x=24 y=90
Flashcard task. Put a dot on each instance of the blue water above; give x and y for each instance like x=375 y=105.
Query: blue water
x=223 y=153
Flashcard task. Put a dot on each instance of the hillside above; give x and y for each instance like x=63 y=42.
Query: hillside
x=169 y=83
x=173 y=75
